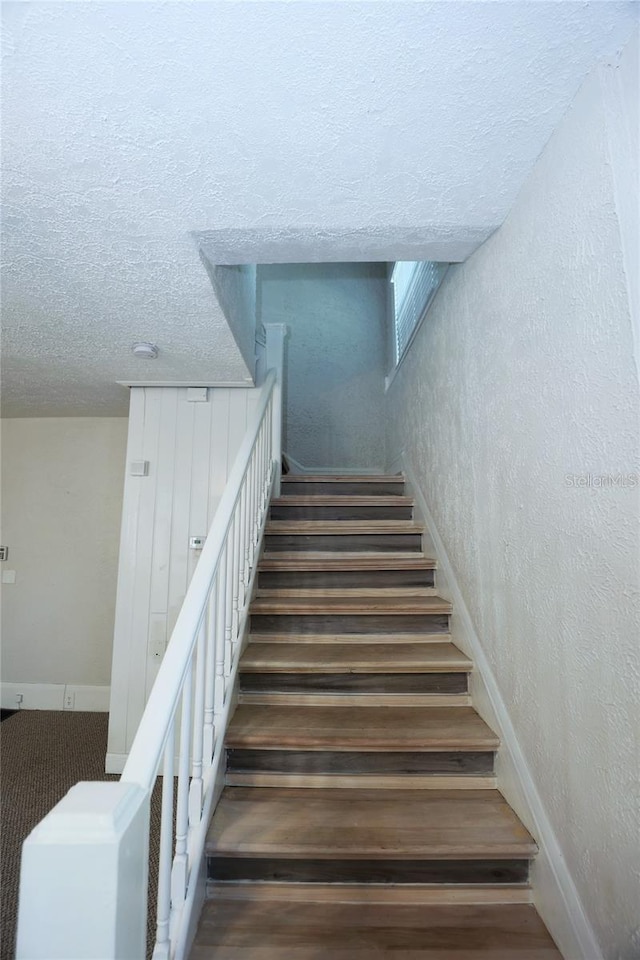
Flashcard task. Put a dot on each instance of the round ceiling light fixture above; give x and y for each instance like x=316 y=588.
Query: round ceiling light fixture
x=144 y=351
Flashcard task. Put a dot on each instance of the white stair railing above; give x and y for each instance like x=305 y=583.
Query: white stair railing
x=85 y=866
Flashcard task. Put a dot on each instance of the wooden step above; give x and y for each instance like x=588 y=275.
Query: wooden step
x=372 y=893
x=348 y=603
x=345 y=478
x=412 y=836
x=366 y=824
x=379 y=763
x=355 y=668
x=360 y=698
x=234 y=928
x=363 y=781
x=349 y=535
x=341 y=508
x=322 y=485
x=333 y=501
x=342 y=527
x=350 y=614
x=362 y=658
x=382 y=638
x=317 y=593
x=314 y=560
x=360 y=728
x=346 y=569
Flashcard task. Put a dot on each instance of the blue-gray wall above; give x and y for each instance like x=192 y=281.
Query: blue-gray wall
x=334 y=400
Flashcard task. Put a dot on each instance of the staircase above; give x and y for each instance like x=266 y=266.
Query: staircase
x=360 y=816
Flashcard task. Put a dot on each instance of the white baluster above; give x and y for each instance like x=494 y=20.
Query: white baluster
x=199 y=755
x=263 y=472
x=254 y=504
x=219 y=692
x=246 y=512
x=237 y=543
x=258 y=489
x=259 y=447
x=162 y=946
x=180 y=868
x=228 y=605
x=250 y=507
x=209 y=671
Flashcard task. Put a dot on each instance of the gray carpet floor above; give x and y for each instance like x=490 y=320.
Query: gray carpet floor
x=43 y=754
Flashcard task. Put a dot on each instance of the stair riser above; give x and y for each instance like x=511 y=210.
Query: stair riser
x=332 y=579
x=368 y=871
x=349 y=623
x=354 y=762
x=353 y=488
x=338 y=542
x=346 y=512
x=355 y=682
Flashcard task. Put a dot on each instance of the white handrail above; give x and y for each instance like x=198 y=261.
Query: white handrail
x=150 y=740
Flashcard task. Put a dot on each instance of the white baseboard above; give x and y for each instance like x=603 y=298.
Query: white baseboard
x=114 y=762
x=555 y=894
x=331 y=471
x=54 y=696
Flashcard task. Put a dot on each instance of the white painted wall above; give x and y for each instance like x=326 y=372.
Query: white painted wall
x=61 y=506
x=334 y=380
x=190 y=448
x=522 y=382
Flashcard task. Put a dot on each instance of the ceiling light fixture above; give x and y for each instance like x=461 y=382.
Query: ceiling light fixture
x=144 y=351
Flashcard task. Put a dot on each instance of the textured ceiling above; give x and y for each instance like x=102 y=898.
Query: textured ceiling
x=295 y=131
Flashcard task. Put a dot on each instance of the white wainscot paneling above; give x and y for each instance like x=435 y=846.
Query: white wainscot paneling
x=190 y=448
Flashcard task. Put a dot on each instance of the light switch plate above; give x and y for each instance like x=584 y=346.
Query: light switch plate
x=139 y=468
x=8 y=576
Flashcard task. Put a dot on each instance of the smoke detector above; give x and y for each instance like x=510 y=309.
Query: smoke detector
x=144 y=351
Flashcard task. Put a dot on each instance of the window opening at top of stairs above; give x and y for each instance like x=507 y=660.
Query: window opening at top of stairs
x=414 y=284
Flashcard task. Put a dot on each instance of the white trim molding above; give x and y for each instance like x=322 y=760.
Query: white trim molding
x=554 y=892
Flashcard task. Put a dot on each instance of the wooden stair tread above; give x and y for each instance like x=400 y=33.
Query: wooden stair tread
x=266 y=929
x=416 y=893
x=366 y=824
x=366 y=606
x=317 y=593
x=359 y=728
x=352 y=658
x=342 y=478
x=342 y=527
x=378 y=781
x=315 y=560
x=336 y=500
x=352 y=638
x=319 y=698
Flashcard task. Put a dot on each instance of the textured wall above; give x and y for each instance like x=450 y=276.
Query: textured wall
x=61 y=504
x=335 y=359
x=521 y=383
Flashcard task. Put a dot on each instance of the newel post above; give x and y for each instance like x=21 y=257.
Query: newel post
x=83 y=881
x=276 y=334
